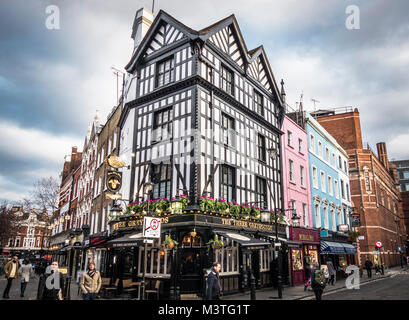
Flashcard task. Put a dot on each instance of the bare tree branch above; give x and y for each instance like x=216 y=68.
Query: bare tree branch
x=45 y=195
x=8 y=227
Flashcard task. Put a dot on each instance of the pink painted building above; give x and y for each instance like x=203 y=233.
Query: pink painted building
x=297 y=195
x=296 y=177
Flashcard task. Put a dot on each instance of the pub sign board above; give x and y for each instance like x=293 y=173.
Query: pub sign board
x=114 y=180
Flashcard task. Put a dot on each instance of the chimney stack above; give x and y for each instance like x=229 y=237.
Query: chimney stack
x=143 y=21
x=282 y=91
x=382 y=154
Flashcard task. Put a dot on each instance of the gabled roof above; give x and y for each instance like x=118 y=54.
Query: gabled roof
x=204 y=35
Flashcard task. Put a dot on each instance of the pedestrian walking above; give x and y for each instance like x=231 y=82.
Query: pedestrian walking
x=368 y=267
x=11 y=271
x=51 y=285
x=377 y=269
x=331 y=272
x=318 y=281
x=213 y=282
x=90 y=282
x=25 y=272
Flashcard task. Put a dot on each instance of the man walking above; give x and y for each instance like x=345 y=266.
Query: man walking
x=368 y=267
x=213 y=282
x=331 y=271
x=318 y=281
x=11 y=271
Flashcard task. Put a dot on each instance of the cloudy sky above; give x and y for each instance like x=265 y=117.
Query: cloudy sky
x=52 y=81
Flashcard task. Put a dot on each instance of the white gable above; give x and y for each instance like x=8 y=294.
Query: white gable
x=166 y=35
x=256 y=71
x=226 y=42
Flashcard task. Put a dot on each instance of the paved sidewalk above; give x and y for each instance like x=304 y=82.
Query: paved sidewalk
x=298 y=293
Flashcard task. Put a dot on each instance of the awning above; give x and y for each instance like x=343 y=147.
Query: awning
x=130 y=240
x=349 y=248
x=243 y=240
x=328 y=247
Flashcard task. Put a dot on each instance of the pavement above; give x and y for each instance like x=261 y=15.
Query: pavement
x=298 y=293
x=369 y=286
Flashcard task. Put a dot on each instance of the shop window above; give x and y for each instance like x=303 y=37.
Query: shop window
x=192 y=242
x=296 y=255
x=266 y=255
x=228 y=257
x=158 y=262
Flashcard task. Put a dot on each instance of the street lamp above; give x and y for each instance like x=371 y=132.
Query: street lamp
x=265 y=216
x=176 y=205
x=295 y=219
x=148 y=187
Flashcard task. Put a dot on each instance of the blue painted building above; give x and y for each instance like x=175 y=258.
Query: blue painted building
x=330 y=194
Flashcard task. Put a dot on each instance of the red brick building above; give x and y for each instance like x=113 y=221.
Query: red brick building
x=32 y=234
x=374 y=189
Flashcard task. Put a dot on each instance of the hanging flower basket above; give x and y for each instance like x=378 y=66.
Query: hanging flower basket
x=214 y=244
x=222 y=206
x=207 y=204
x=170 y=244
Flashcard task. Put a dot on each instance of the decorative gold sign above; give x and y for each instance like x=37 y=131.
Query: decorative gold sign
x=116 y=162
x=135 y=223
x=246 y=224
x=306 y=237
x=114 y=180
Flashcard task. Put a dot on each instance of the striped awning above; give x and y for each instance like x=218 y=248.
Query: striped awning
x=328 y=247
x=349 y=248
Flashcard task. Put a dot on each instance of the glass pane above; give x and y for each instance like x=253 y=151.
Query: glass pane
x=169 y=262
x=155 y=261
x=162 y=262
x=149 y=261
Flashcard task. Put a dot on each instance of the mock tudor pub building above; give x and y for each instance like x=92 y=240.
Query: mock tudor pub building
x=200 y=137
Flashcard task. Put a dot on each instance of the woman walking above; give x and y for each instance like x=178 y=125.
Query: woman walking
x=25 y=272
x=90 y=282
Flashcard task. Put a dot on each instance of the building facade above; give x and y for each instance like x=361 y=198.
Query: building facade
x=101 y=205
x=402 y=167
x=297 y=199
x=374 y=188
x=202 y=117
x=32 y=234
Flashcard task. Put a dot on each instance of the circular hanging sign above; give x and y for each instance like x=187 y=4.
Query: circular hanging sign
x=378 y=244
x=154 y=224
x=114 y=180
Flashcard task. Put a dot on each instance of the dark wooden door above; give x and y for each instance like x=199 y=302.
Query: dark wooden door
x=191 y=270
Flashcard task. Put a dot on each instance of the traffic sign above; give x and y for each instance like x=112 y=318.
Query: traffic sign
x=378 y=244
x=151 y=227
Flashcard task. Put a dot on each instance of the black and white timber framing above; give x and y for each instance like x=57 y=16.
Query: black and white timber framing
x=198 y=100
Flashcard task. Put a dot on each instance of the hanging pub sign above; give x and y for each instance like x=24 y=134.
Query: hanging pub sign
x=114 y=180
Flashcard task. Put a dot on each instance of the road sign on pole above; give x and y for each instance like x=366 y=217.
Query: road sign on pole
x=378 y=244
x=151 y=227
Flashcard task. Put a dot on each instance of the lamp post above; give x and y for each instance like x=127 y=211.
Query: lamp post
x=148 y=187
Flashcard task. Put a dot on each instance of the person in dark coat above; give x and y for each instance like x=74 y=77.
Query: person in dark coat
x=51 y=285
x=213 y=282
x=368 y=267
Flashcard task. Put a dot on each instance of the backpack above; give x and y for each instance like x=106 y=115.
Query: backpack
x=319 y=278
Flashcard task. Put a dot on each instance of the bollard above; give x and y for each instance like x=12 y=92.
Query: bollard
x=252 y=287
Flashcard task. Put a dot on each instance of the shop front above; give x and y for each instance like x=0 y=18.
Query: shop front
x=189 y=244
x=304 y=255
x=335 y=247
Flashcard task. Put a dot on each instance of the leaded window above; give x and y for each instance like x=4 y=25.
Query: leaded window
x=227 y=187
x=258 y=101
x=162 y=127
x=228 y=130
x=261 y=148
x=165 y=72
x=227 y=80
x=261 y=192
x=162 y=178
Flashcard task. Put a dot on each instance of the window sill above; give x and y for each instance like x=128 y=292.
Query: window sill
x=293 y=183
